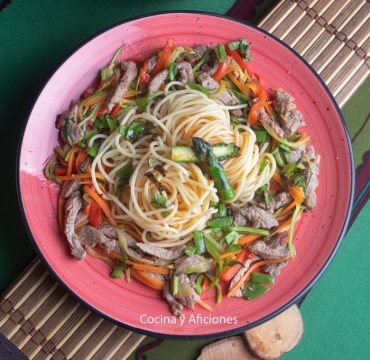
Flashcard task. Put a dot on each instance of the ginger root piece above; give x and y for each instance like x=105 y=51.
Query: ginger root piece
x=277 y=336
x=232 y=348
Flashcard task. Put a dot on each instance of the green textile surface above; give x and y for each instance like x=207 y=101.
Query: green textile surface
x=35 y=36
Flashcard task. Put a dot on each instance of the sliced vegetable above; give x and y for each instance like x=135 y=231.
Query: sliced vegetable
x=230 y=272
x=198 y=284
x=198 y=87
x=95 y=213
x=261 y=136
x=278 y=158
x=262 y=278
x=253 y=290
x=172 y=72
x=220 y=222
x=175 y=284
x=221 y=71
x=231 y=236
x=205 y=153
x=220 y=53
x=125 y=172
x=165 y=54
x=297 y=193
x=147 y=279
x=93 y=151
x=197 y=268
x=218 y=294
x=234 y=247
x=212 y=249
x=159 y=201
x=291 y=232
x=203 y=59
x=249 y=230
x=190 y=250
x=133 y=131
x=222 y=212
x=248 y=239
x=116 y=272
x=187 y=154
x=144 y=77
x=296 y=144
x=199 y=242
x=174 y=55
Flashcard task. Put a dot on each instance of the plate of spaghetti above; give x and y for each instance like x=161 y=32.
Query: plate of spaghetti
x=186 y=175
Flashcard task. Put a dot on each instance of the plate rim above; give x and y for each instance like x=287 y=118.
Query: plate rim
x=215 y=335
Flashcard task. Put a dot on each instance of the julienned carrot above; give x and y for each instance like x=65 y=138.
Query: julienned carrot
x=78 y=176
x=80 y=158
x=248 y=239
x=230 y=272
x=150 y=268
x=205 y=284
x=287 y=209
x=147 y=279
x=251 y=86
x=60 y=213
x=245 y=277
x=285 y=225
x=71 y=160
x=277 y=178
x=230 y=253
x=236 y=82
x=81 y=224
x=102 y=203
x=205 y=305
x=252 y=117
x=297 y=193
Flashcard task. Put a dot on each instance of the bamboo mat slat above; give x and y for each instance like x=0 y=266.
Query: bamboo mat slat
x=332 y=35
x=45 y=322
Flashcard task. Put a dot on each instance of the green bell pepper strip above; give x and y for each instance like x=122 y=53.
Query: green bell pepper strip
x=262 y=278
x=249 y=230
x=198 y=87
x=296 y=213
x=254 y=290
x=220 y=222
x=199 y=242
x=203 y=59
x=116 y=272
x=220 y=53
x=231 y=236
x=198 y=284
x=175 y=284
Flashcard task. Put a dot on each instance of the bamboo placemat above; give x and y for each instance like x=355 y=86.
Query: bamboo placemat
x=45 y=322
x=332 y=35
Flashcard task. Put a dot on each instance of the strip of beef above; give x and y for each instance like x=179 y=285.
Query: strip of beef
x=197 y=55
x=70 y=132
x=238 y=276
x=157 y=81
x=176 y=307
x=264 y=118
x=69 y=187
x=312 y=183
x=105 y=236
x=152 y=62
x=280 y=200
x=185 y=72
x=274 y=269
x=255 y=217
x=226 y=97
x=72 y=208
x=290 y=119
x=162 y=253
x=192 y=262
x=186 y=294
x=274 y=247
x=81 y=216
x=130 y=73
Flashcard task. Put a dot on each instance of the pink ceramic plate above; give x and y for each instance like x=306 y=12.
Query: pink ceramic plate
x=136 y=306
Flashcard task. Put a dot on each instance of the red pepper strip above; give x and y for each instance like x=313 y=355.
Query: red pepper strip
x=102 y=108
x=87 y=209
x=253 y=112
x=81 y=156
x=60 y=171
x=230 y=272
x=90 y=89
x=144 y=78
x=115 y=110
x=221 y=71
x=236 y=56
x=95 y=213
x=166 y=52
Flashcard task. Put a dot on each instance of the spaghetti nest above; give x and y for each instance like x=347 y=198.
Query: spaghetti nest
x=176 y=117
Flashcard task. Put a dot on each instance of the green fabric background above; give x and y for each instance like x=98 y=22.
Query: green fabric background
x=35 y=36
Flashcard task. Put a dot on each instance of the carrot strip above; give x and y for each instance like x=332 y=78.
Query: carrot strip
x=252 y=117
x=147 y=279
x=150 y=268
x=297 y=193
x=81 y=224
x=229 y=273
x=78 y=176
x=287 y=209
x=252 y=86
x=236 y=82
x=277 y=178
x=205 y=284
x=71 y=160
x=248 y=239
x=205 y=305
x=102 y=203
x=245 y=277
x=230 y=253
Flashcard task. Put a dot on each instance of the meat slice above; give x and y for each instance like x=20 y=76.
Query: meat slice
x=69 y=187
x=70 y=132
x=185 y=72
x=186 y=295
x=152 y=62
x=192 y=262
x=238 y=276
x=312 y=183
x=157 y=81
x=226 y=97
x=130 y=73
x=274 y=269
x=290 y=119
x=105 y=236
x=176 y=307
x=273 y=248
x=197 y=55
x=211 y=67
x=255 y=217
x=264 y=118
x=72 y=208
x=162 y=253
x=280 y=200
